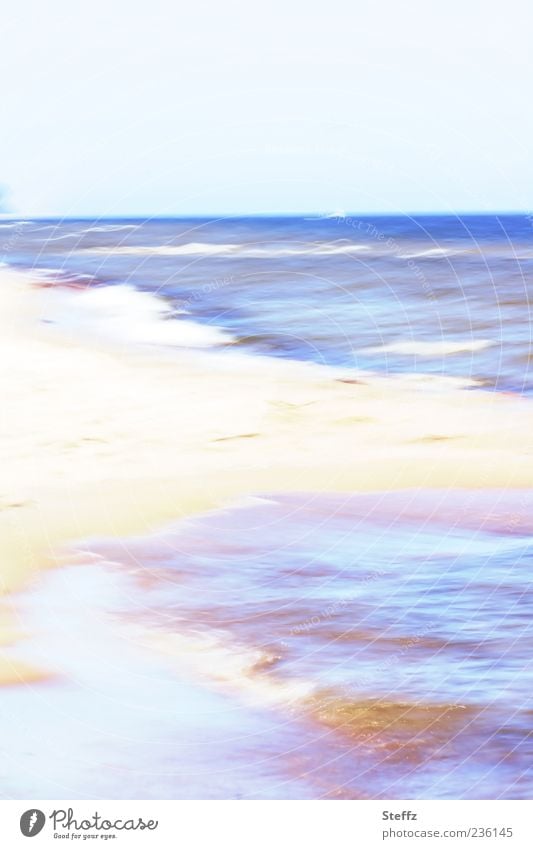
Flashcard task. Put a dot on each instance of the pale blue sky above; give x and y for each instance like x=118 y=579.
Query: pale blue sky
x=161 y=108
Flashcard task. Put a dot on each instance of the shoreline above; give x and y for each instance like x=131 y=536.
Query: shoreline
x=94 y=443
x=89 y=435
x=128 y=648
x=129 y=633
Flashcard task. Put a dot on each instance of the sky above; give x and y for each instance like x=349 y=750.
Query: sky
x=211 y=108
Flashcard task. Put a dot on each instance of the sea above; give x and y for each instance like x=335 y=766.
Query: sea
x=437 y=295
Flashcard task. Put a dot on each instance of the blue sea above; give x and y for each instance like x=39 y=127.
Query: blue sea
x=386 y=639
x=443 y=296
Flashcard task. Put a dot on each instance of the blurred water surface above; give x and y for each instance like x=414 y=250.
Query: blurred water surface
x=399 y=626
x=435 y=294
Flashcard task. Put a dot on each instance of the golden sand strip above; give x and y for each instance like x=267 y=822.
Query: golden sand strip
x=96 y=441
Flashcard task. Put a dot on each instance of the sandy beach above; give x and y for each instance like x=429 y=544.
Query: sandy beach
x=107 y=441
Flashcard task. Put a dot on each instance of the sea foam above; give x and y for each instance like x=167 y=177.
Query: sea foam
x=126 y=315
x=249 y=251
x=421 y=348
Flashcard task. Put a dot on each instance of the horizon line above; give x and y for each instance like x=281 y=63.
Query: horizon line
x=312 y=216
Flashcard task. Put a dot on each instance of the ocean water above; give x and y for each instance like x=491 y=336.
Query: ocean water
x=367 y=646
x=445 y=296
x=396 y=626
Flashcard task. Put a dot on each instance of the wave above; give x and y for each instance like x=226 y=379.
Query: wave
x=126 y=315
x=9 y=225
x=110 y=228
x=242 y=669
x=429 y=349
x=50 y=277
x=432 y=253
x=215 y=660
x=251 y=672
x=61 y=237
x=79 y=234
x=429 y=381
x=377 y=724
x=232 y=249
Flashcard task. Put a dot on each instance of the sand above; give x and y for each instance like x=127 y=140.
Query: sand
x=98 y=440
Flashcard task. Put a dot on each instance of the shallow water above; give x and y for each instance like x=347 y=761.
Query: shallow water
x=389 y=635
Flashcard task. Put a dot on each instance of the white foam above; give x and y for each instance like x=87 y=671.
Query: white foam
x=214 y=656
x=126 y=315
x=420 y=348
x=58 y=276
x=240 y=250
x=110 y=228
x=423 y=380
x=61 y=237
x=431 y=253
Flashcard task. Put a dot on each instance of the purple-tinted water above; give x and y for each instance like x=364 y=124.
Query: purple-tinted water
x=393 y=631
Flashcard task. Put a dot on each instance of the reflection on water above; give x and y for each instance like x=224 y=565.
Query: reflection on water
x=396 y=629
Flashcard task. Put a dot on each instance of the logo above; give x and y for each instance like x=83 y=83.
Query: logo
x=32 y=822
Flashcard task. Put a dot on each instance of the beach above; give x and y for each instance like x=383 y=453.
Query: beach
x=98 y=441
x=111 y=440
